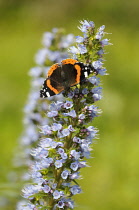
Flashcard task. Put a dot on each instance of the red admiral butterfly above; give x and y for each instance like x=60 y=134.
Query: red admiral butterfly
x=62 y=76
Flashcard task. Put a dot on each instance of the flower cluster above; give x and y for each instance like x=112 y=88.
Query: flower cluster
x=54 y=50
x=67 y=140
x=60 y=153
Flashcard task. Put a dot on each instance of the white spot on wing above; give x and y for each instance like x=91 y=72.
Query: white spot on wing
x=85 y=74
x=47 y=94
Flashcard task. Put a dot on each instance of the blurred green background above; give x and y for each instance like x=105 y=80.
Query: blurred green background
x=112 y=181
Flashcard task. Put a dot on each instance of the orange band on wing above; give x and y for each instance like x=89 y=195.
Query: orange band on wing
x=69 y=61
x=53 y=67
x=78 y=68
x=48 y=83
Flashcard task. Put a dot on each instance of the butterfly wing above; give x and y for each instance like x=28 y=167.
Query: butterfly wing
x=62 y=76
x=53 y=84
x=50 y=88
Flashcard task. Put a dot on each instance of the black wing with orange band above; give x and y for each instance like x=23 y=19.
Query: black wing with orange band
x=62 y=76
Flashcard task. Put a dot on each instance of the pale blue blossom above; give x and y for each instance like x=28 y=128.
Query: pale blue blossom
x=65 y=174
x=56 y=194
x=74 y=166
x=75 y=189
x=68 y=104
x=105 y=42
x=58 y=163
x=47 y=39
x=41 y=56
x=79 y=39
x=46 y=188
x=52 y=114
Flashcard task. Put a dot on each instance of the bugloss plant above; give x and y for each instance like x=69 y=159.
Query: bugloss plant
x=66 y=141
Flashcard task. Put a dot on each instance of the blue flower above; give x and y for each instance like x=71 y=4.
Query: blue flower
x=56 y=194
x=29 y=207
x=54 y=56
x=74 y=50
x=102 y=28
x=105 y=42
x=93 y=111
x=45 y=163
x=79 y=39
x=37 y=166
x=65 y=174
x=46 y=188
x=74 y=166
x=56 y=127
x=60 y=204
x=94 y=80
x=54 y=185
x=40 y=153
x=76 y=90
x=82 y=164
x=30 y=190
x=53 y=107
x=75 y=154
x=102 y=71
x=100 y=52
x=86 y=25
x=41 y=56
x=47 y=39
x=64 y=156
x=46 y=129
x=71 y=129
x=65 y=132
x=70 y=203
x=66 y=41
x=60 y=144
x=97 y=90
x=56 y=106
x=91 y=132
x=24 y=205
x=85 y=91
x=58 y=163
x=60 y=151
x=97 y=93
x=85 y=149
x=100 y=33
x=75 y=175
x=97 y=64
x=81 y=116
x=82 y=49
x=75 y=189
x=97 y=97
x=46 y=142
x=68 y=104
x=76 y=139
x=71 y=94
x=72 y=113
x=35 y=72
x=36 y=174
x=54 y=144
x=52 y=114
